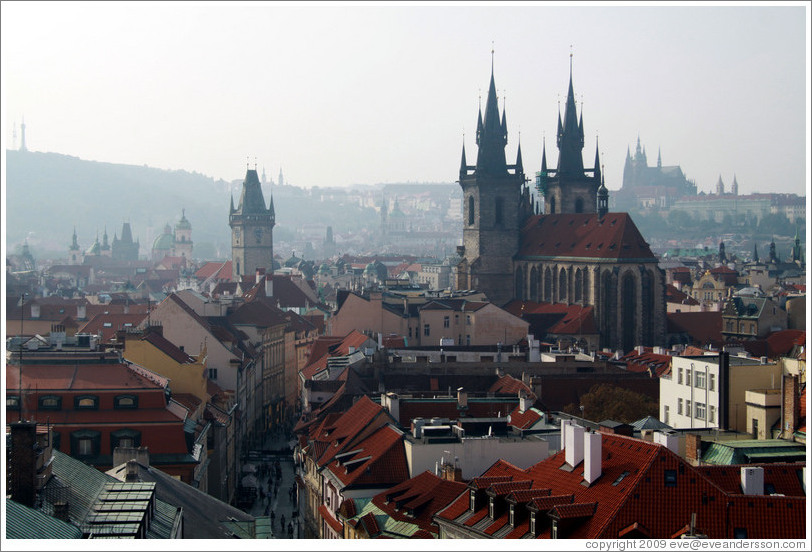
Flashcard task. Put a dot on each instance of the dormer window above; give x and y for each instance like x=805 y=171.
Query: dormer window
x=86 y=402
x=533 y=524
x=473 y=500
x=492 y=508
x=512 y=515
x=12 y=402
x=50 y=402
x=125 y=401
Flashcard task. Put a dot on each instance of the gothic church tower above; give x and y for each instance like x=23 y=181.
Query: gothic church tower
x=570 y=188
x=251 y=229
x=492 y=208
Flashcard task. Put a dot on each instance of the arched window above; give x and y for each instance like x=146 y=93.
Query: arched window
x=519 y=283
x=628 y=294
x=86 y=402
x=562 y=286
x=470 y=210
x=579 y=205
x=548 y=285
x=50 y=402
x=534 y=284
x=125 y=401
x=579 y=283
x=125 y=438
x=85 y=442
x=552 y=205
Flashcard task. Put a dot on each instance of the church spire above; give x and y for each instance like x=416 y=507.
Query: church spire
x=597 y=160
x=755 y=252
x=519 y=165
x=571 y=142
x=491 y=137
x=659 y=159
x=463 y=163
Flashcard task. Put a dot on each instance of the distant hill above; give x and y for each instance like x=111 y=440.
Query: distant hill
x=49 y=193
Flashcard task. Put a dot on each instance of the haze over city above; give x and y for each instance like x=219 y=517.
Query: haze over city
x=363 y=94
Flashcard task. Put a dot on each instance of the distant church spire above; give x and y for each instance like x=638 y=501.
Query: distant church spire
x=571 y=143
x=659 y=159
x=22 y=136
x=463 y=163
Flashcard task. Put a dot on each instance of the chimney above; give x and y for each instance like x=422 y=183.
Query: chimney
x=791 y=406
x=34 y=311
x=524 y=402
x=574 y=451
x=639 y=349
x=693 y=447
x=81 y=312
x=23 y=462
x=669 y=440
x=752 y=481
x=564 y=429
x=268 y=286
x=462 y=398
x=260 y=274
x=592 y=456
x=392 y=404
x=132 y=472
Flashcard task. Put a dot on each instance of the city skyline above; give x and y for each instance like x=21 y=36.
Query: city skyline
x=352 y=95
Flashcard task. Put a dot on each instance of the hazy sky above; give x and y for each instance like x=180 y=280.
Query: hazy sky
x=361 y=94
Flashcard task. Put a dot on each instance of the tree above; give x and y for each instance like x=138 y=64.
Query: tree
x=605 y=401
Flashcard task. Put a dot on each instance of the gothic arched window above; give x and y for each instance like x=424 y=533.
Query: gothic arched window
x=470 y=210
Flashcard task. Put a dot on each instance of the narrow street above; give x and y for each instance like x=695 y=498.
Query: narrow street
x=277 y=498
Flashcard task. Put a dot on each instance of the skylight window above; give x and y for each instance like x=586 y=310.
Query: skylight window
x=620 y=478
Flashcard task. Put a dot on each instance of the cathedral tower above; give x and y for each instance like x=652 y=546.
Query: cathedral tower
x=492 y=193
x=183 y=238
x=251 y=229
x=571 y=188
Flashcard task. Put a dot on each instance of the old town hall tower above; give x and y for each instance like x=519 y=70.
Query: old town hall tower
x=251 y=229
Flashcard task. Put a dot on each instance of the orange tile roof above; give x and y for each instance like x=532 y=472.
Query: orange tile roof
x=524 y=420
x=108 y=324
x=378 y=460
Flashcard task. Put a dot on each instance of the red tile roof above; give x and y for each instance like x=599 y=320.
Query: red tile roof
x=780 y=343
x=615 y=236
x=555 y=318
x=218 y=269
x=108 y=324
x=632 y=489
x=673 y=295
x=167 y=347
x=378 y=460
x=654 y=364
x=526 y=419
x=785 y=478
x=76 y=377
x=327 y=516
x=703 y=327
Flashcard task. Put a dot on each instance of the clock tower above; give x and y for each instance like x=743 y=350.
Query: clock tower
x=251 y=229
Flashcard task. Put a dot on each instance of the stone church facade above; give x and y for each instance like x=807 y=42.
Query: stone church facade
x=575 y=252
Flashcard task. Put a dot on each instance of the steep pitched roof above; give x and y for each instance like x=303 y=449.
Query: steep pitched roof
x=167 y=347
x=583 y=235
x=107 y=325
x=378 y=460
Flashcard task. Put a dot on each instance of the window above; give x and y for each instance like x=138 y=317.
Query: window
x=125 y=438
x=699 y=411
x=533 y=523
x=688 y=377
x=512 y=515
x=212 y=373
x=468 y=340
x=50 y=402
x=85 y=442
x=492 y=508
x=554 y=529
x=12 y=402
x=470 y=210
x=711 y=382
x=125 y=401
x=473 y=500
x=688 y=408
x=679 y=406
x=679 y=376
x=670 y=478
x=712 y=414
x=426 y=329
x=446 y=322
x=665 y=414
x=739 y=532
x=699 y=380
x=86 y=402
x=467 y=319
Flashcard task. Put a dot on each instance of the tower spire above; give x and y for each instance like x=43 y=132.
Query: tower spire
x=22 y=136
x=463 y=163
x=492 y=136
x=571 y=142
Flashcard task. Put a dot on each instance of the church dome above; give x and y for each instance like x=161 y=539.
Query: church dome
x=293 y=261
x=164 y=242
x=370 y=269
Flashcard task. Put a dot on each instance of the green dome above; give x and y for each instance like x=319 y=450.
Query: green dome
x=370 y=269
x=164 y=242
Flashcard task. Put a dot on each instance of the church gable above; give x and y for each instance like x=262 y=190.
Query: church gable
x=584 y=235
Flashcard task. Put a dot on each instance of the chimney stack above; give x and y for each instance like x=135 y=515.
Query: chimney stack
x=132 y=471
x=525 y=403
x=752 y=481
x=574 y=451
x=268 y=286
x=462 y=398
x=592 y=456
x=23 y=462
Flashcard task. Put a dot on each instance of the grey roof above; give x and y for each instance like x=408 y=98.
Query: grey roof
x=649 y=422
x=204 y=516
x=23 y=522
x=80 y=486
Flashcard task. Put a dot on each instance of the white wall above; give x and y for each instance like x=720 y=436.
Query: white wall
x=475 y=454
